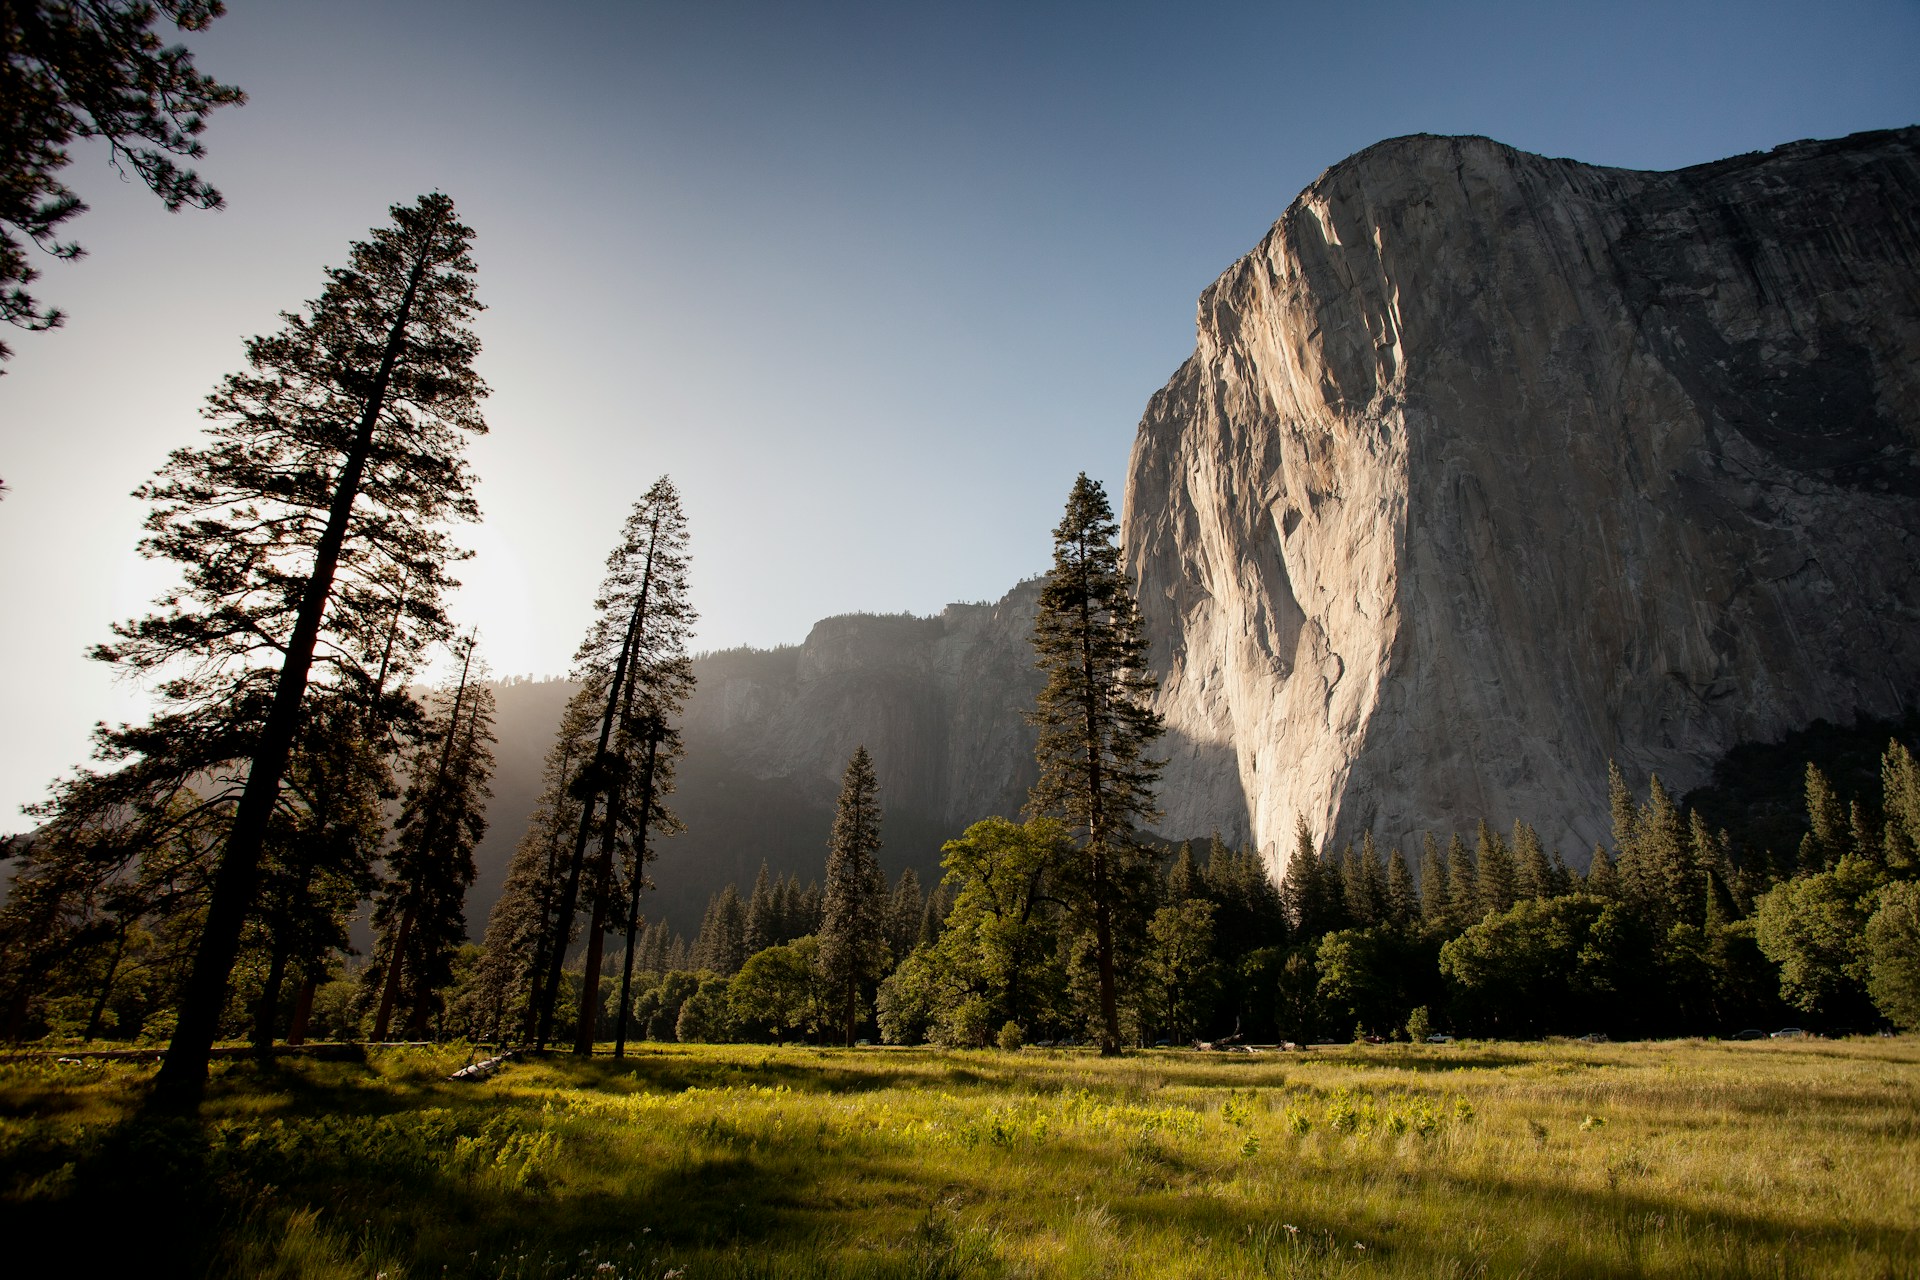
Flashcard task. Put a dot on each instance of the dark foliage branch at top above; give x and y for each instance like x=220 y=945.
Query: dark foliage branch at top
x=93 y=69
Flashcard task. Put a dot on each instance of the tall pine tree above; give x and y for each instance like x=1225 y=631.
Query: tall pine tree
x=331 y=466
x=1094 y=718
x=853 y=926
x=421 y=910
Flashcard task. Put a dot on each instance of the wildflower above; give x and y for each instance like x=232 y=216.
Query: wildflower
x=1291 y=1229
x=674 y=1274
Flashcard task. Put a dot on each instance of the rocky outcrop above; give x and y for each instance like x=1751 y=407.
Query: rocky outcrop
x=1488 y=467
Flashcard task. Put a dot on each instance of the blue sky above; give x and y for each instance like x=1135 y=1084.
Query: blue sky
x=870 y=281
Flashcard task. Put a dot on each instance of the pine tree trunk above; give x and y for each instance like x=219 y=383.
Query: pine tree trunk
x=390 y=980
x=633 y=904
x=570 y=896
x=106 y=988
x=263 y=1012
x=1097 y=837
x=570 y=899
x=182 y=1078
x=590 y=975
x=302 y=1012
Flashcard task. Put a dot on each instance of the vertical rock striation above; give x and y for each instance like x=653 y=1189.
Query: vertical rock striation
x=1488 y=467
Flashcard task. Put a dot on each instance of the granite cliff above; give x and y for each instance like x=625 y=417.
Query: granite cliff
x=1488 y=467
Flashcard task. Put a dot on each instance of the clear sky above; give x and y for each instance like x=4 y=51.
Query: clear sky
x=870 y=281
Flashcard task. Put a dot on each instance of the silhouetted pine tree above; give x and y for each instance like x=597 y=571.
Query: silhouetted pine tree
x=1183 y=877
x=853 y=943
x=1498 y=890
x=420 y=910
x=1436 y=900
x=722 y=944
x=1463 y=885
x=635 y=652
x=1665 y=884
x=1094 y=718
x=1532 y=873
x=519 y=928
x=763 y=923
x=1403 y=901
x=330 y=467
x=317 y=862
x=904 y=910
x=1601 y=880
x=1826 y=841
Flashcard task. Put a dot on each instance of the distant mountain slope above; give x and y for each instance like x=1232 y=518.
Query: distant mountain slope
x=938 y=701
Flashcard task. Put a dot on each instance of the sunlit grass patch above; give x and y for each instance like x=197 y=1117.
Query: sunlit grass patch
x=1682 y=1159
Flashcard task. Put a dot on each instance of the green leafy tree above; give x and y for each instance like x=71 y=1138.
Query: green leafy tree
x=1001 y=940
x=1363 y=977
x=1892 y=939
x=706 y=1016
x=1180 y=960
x=853 y=943
x=1094 y=719
x=1540 y=966
x=1812 y=928
x=93 y=69
x=783 y=992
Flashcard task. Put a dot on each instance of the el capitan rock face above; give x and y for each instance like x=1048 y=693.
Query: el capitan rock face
x=1488 y=467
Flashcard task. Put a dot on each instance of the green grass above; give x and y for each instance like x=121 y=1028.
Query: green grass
x=1669 y=1159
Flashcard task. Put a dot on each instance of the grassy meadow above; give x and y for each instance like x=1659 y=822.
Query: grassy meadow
x=1682 y=1158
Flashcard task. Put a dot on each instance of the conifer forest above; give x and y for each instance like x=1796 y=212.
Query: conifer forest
x=253 y=1010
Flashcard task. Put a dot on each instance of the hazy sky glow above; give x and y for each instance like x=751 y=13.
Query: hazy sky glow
x=870 y=281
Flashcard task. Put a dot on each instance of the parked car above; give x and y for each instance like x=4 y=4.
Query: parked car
x=1789 y=1033
x=1751 y=1033
x=1437 y=1038
x=1594 y=1037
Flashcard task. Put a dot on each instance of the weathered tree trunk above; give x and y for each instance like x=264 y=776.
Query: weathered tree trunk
x=570 y=896
x=622 y=676
x=639 y=878
x=390 y=980
x=182 y=1078
x=268 y=1006
x=302 y=1011
x=106 y=986
x=429 y=836
x=590 y=975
